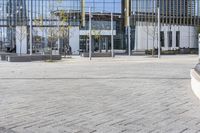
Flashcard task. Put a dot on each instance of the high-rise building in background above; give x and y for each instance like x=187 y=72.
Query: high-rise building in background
x=173 y=7
x=178 y=20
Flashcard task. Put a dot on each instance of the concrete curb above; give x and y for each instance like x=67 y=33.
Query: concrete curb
x=108 y=54
x=195 y=82
x=29 y=58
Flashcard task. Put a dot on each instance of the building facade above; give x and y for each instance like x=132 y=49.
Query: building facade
x=16 y=15
x=135 y=24
x=178 y=29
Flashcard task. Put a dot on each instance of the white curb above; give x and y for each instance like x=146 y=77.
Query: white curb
x=195 y=82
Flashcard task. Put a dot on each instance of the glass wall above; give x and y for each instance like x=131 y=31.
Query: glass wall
x=104 y=5
x=45 y=18
x=101 y=20
x=2 y=23
x=40 y=8
x=45 y=8
x=17 y=12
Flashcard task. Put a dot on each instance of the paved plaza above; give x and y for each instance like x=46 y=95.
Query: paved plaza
x=105 y=95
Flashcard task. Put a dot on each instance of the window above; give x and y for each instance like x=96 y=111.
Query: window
x=169 y=34
x=177 y=38
x=162 y=39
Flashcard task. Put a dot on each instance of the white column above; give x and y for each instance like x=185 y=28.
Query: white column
x=74 y=40
x=199 y=46
x=136 y=36
x=21 y=41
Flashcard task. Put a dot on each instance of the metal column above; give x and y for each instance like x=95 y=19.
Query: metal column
x=83 y=13
x=127 y=24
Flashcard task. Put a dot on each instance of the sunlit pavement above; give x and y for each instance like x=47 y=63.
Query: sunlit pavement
x=123 y=94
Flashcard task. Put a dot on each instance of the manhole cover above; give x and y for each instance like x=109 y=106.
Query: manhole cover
x=4 y=130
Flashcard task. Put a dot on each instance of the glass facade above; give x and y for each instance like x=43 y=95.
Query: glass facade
x=104 y=5
x=47 y=14
x=183 y=12
x=43 y=8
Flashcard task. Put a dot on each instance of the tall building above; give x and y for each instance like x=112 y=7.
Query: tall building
x=176 y=17
x=178 y=20
x=173 y=7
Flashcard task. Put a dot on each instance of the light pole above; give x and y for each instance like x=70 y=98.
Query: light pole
x=112 y=39
x=58 y=36
x=158 y=32
x=31 y=28
x=129 y=37
x=90 y=34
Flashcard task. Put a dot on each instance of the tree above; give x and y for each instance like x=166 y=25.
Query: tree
x=97 y=29
x=58 y=29
x=151 y=30
x=39 y=22
x=21 y=33
x=97 y=37
x=52 y=32
x=63 y=30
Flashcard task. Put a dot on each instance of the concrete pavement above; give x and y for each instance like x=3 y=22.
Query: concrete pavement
x=125 y=94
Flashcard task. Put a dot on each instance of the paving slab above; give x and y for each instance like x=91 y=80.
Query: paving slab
x=105 y=95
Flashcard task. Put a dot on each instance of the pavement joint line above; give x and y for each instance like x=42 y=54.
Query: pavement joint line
x=84 y=78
